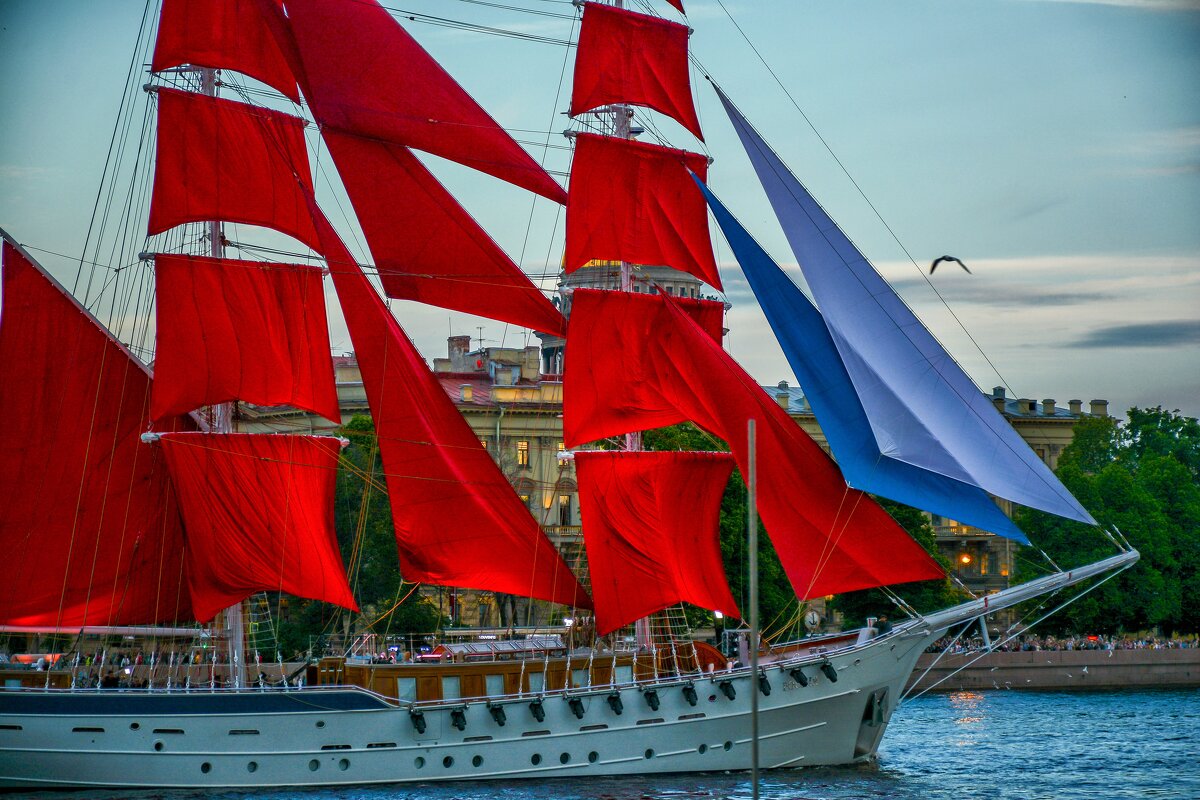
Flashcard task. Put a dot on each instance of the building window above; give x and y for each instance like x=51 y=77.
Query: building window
x=562 y=448
x=523 y=454
x=483 y=443
x=564 y=509
x=524 y=500
x=983 y=563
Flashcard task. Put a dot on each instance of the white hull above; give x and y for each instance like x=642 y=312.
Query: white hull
x=93 y=738
x=822 y=723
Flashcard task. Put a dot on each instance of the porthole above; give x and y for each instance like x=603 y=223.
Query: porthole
x=702 y=749
x=133 y=726
x=728 y=745
x=252 y=766
x=593 y=757
x=535 y=759
x=206 y=767
x=477 y=761
x=344 y=764
x=314 y=765
x=712 y=698
x=419 y=762
x=158 y=746
x=649 y=754
x=320 y=723
x=564 y=758
x=448 y=762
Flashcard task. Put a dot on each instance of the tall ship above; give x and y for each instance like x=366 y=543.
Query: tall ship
x=131 y=502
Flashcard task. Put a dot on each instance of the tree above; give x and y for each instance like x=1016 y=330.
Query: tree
x=777 y=601
x=366 y=537
x=924 y=596
x=1142 y=478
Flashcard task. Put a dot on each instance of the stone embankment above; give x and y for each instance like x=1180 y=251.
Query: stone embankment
x=1059 y=669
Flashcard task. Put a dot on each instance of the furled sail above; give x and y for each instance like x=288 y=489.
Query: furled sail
x=223 y=160
x=434 y=464
x=89 y=527
x=810 y=351
x=222 y=34
x=240 y=330
x=636 y=361
x=364 y=75
x=425 y=245
x=626 y=57
x=632 y=201
x=258 y=515
x=923 y=409
x=650 y=529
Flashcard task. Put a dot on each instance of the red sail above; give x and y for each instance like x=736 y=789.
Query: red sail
x=222 y=34
x=650 y=528
x=258 y=511
x=626 y=57
x=632 y=201
x=229 y=161
x=88 y=524
x=365 y=75
x=240 y=330
x=678 y=4
x=651 y=365
x=435 y=466
x=708 y=314
x=426 y=246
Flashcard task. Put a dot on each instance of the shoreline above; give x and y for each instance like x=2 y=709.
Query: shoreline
x=1068 y=670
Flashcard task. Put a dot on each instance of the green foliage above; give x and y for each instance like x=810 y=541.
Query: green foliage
x=777 y=600
x=1143 y=478
x=365 y=534
x=924 y=596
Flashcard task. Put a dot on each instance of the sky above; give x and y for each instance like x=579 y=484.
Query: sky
x=1052 y=145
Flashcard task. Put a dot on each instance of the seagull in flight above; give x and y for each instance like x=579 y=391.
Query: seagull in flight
x=940 y=259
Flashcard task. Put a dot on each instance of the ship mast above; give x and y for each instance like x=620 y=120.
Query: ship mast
x=623 y=129
x=221 y=421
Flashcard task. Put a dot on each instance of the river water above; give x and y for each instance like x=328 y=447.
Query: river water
x=1008 y=745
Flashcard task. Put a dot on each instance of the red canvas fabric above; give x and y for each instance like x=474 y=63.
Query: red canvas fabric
x=677 y=4
x=426 y=246
x=365 y=75
x=637 y=361
x=650 y=528
x=626 y=57
x=708 y=314
x=222 y=160
x=258 y=512
x=636 y=202
x=240 y=330
x=457 y=520
x=222 y=34
x=89 y=528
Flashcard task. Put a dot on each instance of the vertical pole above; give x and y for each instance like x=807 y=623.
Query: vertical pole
x=752 y=536
x=222 y=422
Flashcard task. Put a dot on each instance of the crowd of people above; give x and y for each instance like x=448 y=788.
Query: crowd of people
x=1028 y=643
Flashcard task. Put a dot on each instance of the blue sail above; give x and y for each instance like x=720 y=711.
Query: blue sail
x=921 y=407
x=810 y=350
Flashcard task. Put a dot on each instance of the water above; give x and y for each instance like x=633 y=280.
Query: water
x=1003 y=745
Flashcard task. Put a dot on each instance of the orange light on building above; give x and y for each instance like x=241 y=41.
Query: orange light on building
x=964 y=559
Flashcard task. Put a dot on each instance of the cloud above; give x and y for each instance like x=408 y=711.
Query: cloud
x=990 y=294
x=1168 y=333
x=10 y=172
